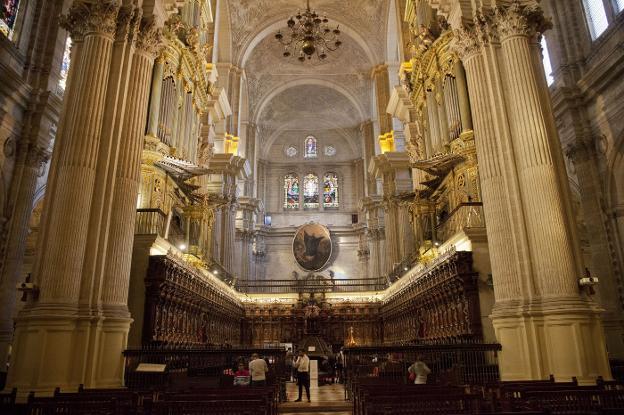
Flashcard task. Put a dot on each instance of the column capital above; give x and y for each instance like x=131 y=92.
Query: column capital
x=581 y=149
x=467 y=42
x=519 y=20
x=85 y=17
x=148 y=39
x=128 y=20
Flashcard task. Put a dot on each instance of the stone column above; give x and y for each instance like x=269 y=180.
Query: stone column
x=394 y=170
x=542 y=321
x=381 y=82
x=368 y=138
x=127 y=178
x=391 y=223
x=229 y=236
x=462 y=96
x=493 y=186
x=34 y=160
x=49 y=351
x=156 y=91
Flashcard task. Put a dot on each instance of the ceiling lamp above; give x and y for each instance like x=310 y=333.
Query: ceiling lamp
x=309 y=34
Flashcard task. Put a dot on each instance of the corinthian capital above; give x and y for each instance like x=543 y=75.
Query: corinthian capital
x=128 y=22
x=91 y=17
x=149 y=38
x=466 y=42
x=520 y=20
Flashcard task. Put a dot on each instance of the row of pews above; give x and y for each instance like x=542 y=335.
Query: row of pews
x=375 y=396
x=214 y=401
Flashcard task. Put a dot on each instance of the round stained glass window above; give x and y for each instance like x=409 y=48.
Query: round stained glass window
x=291 y=151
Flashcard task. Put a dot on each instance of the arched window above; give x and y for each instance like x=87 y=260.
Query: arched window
x=596 y=17
x=291 y=191
x=310 y=148
x=330 y=190
x=65 y=65
x=310 y=191
x=546 y=62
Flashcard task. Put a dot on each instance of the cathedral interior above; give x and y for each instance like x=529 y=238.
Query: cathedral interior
x=186 y=182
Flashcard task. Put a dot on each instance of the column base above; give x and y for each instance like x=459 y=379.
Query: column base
x=58 y=346
x=562 y=336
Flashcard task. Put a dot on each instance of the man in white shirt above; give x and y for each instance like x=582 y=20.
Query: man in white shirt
x=303 y=374
x=258 y=369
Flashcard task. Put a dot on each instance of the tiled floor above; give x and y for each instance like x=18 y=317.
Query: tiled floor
x=326 y=400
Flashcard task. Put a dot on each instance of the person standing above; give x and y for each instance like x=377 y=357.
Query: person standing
x=420 y=370
x=340 y=366
x=303 y=374
x=258 y=369
x=290 y=357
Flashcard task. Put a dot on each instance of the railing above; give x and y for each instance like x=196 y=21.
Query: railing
x=465 y=215
x=450 y=364
x=201 y=363
x=312 y=285
x=150 y=222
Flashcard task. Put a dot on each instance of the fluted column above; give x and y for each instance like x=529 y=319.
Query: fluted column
x=121 y=231
x=556 y=266
x=544 y=323
x=60 y=267
x=368 y=138
x=229 y=236
x=51 y=353
x=391 y=223
x=493 y=187
x=462 y=96
x=155 y=97
x=381 y=82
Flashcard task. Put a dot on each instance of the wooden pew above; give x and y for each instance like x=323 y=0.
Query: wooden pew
x=211 y=407
x=267 y=396
x=56 y=405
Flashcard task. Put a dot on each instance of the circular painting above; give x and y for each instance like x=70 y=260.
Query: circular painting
x=312 y=246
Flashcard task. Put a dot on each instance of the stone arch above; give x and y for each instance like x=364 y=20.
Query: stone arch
x=277 y=23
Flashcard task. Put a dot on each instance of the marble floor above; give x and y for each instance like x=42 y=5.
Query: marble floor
x=326 y=400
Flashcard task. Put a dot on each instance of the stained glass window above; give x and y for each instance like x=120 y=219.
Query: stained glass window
x=65 y=65
x=291 y=191
x=310 y=192
x=310 y=148
x=8 y=14
x=330 y=190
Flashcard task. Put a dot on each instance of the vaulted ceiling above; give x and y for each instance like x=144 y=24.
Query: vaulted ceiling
x=285 y=94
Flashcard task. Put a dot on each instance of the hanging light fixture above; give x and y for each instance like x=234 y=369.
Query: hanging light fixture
x=309 y=35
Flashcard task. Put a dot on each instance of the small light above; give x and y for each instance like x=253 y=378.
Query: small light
x=182 y=247
x=436 y=243
x=405 y=268
x=216 y=272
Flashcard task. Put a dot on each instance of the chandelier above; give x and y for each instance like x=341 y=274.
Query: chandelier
x=309 y=34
